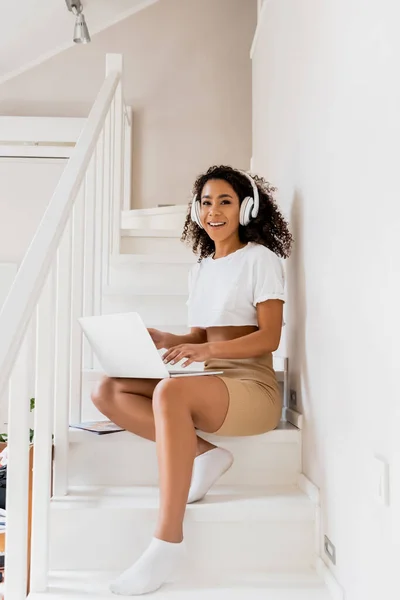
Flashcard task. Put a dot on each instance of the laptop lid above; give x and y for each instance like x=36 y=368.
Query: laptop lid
x=123 y=346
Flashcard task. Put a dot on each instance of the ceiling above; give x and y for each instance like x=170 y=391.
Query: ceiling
x=32 y=31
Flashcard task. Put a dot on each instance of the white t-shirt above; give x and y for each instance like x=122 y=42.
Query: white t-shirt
x=227 y=290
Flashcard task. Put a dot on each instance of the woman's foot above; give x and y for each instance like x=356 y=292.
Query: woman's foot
x=156 y=565
x=207 y=469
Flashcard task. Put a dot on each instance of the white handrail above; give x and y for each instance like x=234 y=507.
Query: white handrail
x=24 y=294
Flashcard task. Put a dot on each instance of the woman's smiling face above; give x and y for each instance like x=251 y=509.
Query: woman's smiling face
x=219 y=210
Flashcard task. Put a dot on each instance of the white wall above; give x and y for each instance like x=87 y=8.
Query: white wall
x=27 y=186
x=187 y=77
x=326 y=130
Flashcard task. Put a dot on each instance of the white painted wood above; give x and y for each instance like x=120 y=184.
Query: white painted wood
x=252 y=529
x=36 y=152
x=17 y=477
x=62 y=361
x=114 y=64
x=78 y=230
x=333 y=588
x=93 y=585
x=163 y=217
x=43 y=427
x=171 y=312
x=153 y=242
x=125 y=459
x=118 y=181
x=127 y=159
x=89 y=254
x=30 y=278
x=41 y=129
x=106 y=198
x=99 y=226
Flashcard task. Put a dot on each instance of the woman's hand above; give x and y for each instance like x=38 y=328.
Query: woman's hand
x=160 y=338
x=192 y=353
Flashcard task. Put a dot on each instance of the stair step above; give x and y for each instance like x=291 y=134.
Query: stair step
x=106 y=528
x=154 y=241
x=155 y=218
x=171 y=311
x=86 y=585
x=162 y=259
x=145 y=233
x=126 y=459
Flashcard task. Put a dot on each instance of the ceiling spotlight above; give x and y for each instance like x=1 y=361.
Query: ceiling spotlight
x=81 y=31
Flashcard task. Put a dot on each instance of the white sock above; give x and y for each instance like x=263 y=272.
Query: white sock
x=207 y=469
x=156 y=565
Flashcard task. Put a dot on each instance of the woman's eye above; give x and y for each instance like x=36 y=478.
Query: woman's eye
x=225 y=202
x=206 y=202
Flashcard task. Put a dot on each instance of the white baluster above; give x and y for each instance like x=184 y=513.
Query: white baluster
x=78 y=231
x=127 y=159
x=114 y=63
x=89 y=254
x=106 y=199
x=44 y=418
x=98 y=247
x=18 y=478
x=62 y=362
x=118 y=168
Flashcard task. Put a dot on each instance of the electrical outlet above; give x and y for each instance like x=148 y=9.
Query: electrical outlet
x=330 y=549
x=293 y=398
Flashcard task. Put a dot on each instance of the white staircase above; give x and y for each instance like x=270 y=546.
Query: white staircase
x=256 y=534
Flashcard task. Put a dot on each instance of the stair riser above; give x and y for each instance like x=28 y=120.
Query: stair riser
x=152 y=278
x=171 y=221
x=151 y=245
x=172 y=310
x=99 y=539
x=123 y=460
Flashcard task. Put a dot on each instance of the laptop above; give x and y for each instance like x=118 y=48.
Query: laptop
x=124 y=348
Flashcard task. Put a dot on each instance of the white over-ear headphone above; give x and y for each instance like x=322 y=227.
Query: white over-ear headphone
x=248 y=209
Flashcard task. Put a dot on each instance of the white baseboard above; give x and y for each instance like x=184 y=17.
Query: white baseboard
x=309 y=488
x=335 y=590
x=293 y=417
x=312 y=491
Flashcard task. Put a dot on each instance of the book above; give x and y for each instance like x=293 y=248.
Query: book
x=99 y=427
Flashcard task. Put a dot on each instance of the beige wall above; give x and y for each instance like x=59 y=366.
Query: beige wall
x=187 y=76
x=326 y=130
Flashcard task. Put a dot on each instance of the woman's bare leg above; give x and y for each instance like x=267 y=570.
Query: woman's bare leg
x=128 y=403
x=179 y=406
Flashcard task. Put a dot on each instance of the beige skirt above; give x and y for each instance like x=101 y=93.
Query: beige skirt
x=255 y=402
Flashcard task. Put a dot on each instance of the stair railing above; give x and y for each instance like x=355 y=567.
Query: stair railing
x=60 y=278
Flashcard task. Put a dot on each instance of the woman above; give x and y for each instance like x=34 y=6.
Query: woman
x=235 y=314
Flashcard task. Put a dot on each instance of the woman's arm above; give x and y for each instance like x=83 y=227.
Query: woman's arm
x=163 y=339
x=266 y=339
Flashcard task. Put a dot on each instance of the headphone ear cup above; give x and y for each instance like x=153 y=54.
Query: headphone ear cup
x=245 y=211
x=195 y=213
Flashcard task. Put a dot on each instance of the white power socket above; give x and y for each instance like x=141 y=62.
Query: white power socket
x=382 y=481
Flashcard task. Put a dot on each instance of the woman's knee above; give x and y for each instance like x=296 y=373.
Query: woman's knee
x=103 y=394
x=167 y=396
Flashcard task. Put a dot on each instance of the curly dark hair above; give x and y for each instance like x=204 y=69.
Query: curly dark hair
x=269 y=228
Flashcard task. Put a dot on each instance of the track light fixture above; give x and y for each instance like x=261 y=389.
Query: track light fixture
x=81 y=31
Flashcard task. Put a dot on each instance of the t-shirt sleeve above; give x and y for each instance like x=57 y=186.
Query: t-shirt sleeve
x=191 y=280
x=268 y=278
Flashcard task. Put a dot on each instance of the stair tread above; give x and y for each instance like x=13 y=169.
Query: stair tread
x=168 y=233
x=83 y=585
x=168 y=258
x=285 y=432
x=223 y=503
x=156 y=210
